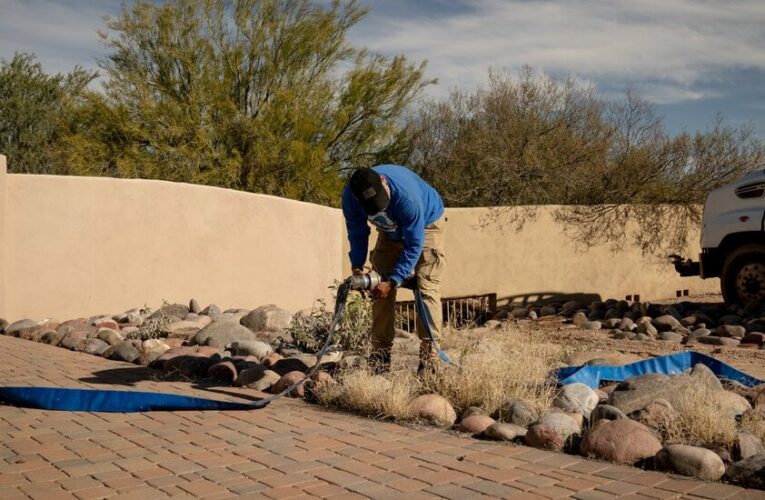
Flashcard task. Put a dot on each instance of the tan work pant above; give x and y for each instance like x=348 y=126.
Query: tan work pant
x=429 y=270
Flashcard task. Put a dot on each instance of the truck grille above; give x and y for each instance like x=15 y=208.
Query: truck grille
x=753 y=190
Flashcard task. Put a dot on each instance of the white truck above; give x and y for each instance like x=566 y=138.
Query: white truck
x=733 y=241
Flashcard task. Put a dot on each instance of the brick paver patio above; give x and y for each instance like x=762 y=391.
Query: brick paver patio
x=289 y=449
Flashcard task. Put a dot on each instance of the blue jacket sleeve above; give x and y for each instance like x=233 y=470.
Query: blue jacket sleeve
x=358 y=229
x=412 y=224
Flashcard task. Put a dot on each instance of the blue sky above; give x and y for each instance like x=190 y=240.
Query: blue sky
x=691 y=57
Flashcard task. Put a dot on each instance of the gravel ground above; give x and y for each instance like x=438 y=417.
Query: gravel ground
x=554 y=329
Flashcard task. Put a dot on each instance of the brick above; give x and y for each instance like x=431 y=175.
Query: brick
x=491 y=488
x=408 y=485
x=716 y=490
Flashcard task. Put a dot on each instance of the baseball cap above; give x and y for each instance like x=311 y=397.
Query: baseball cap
x=366 y=186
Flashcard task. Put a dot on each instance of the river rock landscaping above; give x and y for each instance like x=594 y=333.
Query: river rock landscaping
x=691 y=424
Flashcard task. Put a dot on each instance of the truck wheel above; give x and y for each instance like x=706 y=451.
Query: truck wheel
x=743 y=276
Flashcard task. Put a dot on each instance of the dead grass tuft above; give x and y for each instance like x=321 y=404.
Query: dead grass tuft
x=373 y=395
x=699 y=422
x=495 y=371
x=753 y=422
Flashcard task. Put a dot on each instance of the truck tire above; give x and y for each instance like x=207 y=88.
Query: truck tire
x=743 y=276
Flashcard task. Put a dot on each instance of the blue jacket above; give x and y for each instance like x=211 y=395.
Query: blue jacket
x=413 y=205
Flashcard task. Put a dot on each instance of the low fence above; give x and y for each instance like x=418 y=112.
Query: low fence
x=79 y=246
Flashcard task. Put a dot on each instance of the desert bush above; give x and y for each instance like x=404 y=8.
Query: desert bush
x=376 y=396
x=309 y=332
x=152 y=328
x=495 y=372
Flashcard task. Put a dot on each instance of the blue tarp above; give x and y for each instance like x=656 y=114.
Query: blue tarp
x=56 y=398
x=672 y=364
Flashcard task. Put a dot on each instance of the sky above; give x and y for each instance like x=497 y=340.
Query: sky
x=692 y=58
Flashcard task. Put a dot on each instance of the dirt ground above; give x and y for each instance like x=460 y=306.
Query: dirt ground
x=554 y=329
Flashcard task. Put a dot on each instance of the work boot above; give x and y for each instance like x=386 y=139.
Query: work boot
x=379 y=360
x=428 y=357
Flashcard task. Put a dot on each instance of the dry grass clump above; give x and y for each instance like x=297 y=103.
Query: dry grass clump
x=753 y=422
x=699 y=421
x=373 y=395
x=494 y=373
x=494 y=370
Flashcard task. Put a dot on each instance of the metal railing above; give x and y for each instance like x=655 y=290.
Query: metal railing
x=458 y=312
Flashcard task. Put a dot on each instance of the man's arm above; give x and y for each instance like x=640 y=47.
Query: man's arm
x=358 y=230
x=412 y=224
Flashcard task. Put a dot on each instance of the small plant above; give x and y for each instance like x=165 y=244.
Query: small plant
x=152 y=328
x=309 y=332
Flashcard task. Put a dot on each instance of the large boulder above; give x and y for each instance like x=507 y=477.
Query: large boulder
x=251 y=348
x=288 y=380
x=433 y=408
x=267 y=318
x=577 y=398
x=730 y=404
x=108 y=335
x=72 y=340
x=638 y=392
x=691 y=461
x=22 y=329
x=93 y=346
x=258 y=378
x=225 y=371
x=606 y=412
x=657 y=414
x=222 y=333
x=51 y=337
x=171 y=311
x=748 y=445
x=749 y=472
x=152 y=349
x=622 y=441
x=732 y=331
x=124 y=351
x=666 y=323
x=475 y=424
x=299 y=363
x=552 y=431
x=211 y=311
x=182 y=329
x=504 y=432
x=520 y=412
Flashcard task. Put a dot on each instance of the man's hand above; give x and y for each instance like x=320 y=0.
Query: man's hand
x=357 y=271
x=382 y=290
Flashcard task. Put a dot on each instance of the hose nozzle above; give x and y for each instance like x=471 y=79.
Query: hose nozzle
x=366 y=281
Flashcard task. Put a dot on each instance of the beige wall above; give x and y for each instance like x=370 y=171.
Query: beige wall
x=82 y=246
x=76 y=246
x=540 y=260
x=3 y=238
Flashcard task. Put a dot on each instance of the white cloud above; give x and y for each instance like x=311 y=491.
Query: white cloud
x=62 y=34
x=669 y=50
x=668 y=45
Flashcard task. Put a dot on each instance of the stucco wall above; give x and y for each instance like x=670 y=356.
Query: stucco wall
x=76 y=246
x=81 y=246
x=3 y=238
